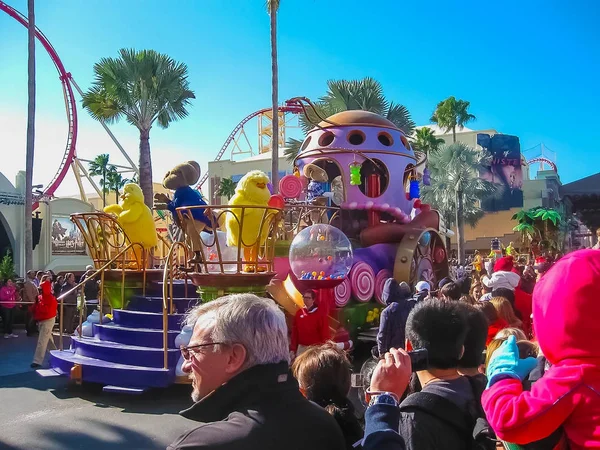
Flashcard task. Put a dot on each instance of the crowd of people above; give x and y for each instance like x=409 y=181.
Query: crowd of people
x=36 y=296
x=513 y=358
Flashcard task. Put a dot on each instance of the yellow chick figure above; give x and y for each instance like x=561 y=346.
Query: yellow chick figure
x=251 y=190
x=135 y=217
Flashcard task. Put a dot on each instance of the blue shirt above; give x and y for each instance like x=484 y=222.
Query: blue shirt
x=186 y=196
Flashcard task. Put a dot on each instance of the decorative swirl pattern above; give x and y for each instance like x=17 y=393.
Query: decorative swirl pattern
x=362 y=279
x=380 y=279
x=342 y=293
x=290 y=186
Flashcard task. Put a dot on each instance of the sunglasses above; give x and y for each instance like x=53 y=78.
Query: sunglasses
x=187 y=354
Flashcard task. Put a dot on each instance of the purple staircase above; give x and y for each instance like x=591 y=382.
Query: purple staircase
x=127 y=355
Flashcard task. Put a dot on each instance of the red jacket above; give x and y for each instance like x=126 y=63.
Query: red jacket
x=566 y=308
x=494 y=328
x=523 y=304
x=310 y=328
x=46 y=306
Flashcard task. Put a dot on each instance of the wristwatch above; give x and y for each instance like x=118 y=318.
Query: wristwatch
x=382 y=398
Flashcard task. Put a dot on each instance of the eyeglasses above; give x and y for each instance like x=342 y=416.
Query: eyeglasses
x=187 y=354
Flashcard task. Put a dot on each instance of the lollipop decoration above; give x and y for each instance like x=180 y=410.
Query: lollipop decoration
x=380 y=280
x=290 y=186
x=342 y=293
x=362 y=280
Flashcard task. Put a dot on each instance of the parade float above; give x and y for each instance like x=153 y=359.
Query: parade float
x=348 y=219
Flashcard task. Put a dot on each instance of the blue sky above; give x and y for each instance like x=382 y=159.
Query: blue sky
x=529 y=68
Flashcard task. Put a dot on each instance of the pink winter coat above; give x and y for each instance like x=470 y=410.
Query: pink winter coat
x=566 y=310
x=8 y=296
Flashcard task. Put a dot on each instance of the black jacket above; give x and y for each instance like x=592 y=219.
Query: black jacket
x=392 y=322
x=263 y=409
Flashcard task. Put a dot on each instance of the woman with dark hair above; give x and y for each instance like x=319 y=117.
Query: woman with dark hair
x=323 y=373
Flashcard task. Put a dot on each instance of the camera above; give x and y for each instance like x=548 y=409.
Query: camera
x=418 y=358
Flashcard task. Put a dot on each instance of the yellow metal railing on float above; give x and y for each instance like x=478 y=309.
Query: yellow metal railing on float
x=298 y=216
x=177 y=257
x=252 y=230
x=104 y=238
x=108 y=265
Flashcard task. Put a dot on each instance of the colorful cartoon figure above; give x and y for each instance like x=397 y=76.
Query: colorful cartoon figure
x=180 y=179
x=251 y=190
x=135 y=217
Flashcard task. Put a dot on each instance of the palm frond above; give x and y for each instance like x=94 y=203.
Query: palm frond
x=292 y=148
x=399 y=115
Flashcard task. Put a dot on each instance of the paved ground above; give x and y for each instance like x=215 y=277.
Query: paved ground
x=48 y=414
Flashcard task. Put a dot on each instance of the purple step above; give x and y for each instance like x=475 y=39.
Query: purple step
x=155 y=304
x=110 y=373
x=143 y=319
x=123 y=354
x=179 y=290
x=141 y=337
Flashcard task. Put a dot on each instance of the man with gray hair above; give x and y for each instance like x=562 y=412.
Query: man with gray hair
x=245 y=394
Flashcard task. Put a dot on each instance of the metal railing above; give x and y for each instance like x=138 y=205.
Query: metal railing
x=252 y=248
x=101 y=271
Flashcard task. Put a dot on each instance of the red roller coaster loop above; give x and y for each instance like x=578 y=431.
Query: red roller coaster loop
x=285 y=109
x=542 y=160
x=71 y=105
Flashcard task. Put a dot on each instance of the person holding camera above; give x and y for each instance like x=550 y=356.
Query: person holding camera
x=436 y=417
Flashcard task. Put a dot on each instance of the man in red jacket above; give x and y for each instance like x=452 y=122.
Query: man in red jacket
x=310 y=326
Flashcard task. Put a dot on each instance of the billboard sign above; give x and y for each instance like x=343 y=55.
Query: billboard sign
x=66 y=237
x=505 y=171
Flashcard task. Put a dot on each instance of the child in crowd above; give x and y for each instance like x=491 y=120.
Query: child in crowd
x=565 y=309
x=323 y=373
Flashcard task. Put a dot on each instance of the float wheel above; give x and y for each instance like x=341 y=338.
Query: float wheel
x=421 y=256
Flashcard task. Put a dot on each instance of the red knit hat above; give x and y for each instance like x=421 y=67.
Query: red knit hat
x=504 y=264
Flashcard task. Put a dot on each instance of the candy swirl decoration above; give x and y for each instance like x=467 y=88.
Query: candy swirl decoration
x=362 y=279
x=380 y=280
x=290 y=186
x=342 y=293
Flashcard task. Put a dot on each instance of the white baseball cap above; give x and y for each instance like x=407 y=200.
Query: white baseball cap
x=422 y=286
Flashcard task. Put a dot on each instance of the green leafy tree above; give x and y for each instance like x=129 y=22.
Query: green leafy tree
x=227 y=188
x=143 y=87
x=116 y=182
x=100 y=167
x=426 y=141
x=457 y=190
x=7 y=267
x=345 y=95
x=452 y=113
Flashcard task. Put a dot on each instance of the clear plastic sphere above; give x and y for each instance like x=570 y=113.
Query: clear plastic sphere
x=321 y=252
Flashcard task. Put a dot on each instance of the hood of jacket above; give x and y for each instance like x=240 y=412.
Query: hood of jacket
x=394 y=292
x=566 y=307
x=502 y=279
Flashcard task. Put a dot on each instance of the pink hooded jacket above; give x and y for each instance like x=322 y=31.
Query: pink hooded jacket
x=566 y=310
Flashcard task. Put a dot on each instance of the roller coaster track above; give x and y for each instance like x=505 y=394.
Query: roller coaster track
x=285 y=109
x=543 y=161
x=70 y=104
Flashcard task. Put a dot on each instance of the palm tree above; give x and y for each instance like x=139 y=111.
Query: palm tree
x=115 y=181
x=425 y=141
x=272 y=7
x=99 y=167
x=457 y=190
x=343 y=95
x=452 y=113
x=143 y=87
x=227 y=188
x=30 y=135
